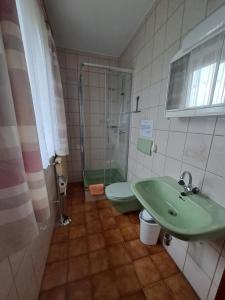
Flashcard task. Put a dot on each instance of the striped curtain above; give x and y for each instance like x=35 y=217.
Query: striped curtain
x=23 y=194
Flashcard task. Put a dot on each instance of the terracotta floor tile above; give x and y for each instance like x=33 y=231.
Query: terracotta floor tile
x=91 y=215
x=126 y=280
x=164 y=264
x=136 y=249
x=103 y=204
x=76 y=198
x=58 y=293
x=137 y=296
x=77 y=231
x=77 y=208
x=99 y=261
x=129 y=232
x=89 y=206
x=158 y=291
x=78 y=247
x=96 y=242
x=58 y=252
x=180 y=288
x=79 y=290
x=78 y=267
x=55 y=275
x=154 y=249
x=109 y=223
x=77 y=219
x=118 y=255
x=146 y=271
x=122 y=221
x=134 y=217
x=104 y=287
x=105 y=213
x=113 y=236
x=60 y=234
x=94 y=227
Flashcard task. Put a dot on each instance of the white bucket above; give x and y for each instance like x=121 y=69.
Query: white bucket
x=149 y=229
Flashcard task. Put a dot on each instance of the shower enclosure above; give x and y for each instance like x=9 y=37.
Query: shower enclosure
x=105 y=106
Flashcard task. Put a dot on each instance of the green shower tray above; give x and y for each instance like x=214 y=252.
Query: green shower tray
x=192 y=217
x=106 y=177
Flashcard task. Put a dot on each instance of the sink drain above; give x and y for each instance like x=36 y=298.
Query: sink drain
x=172 y=212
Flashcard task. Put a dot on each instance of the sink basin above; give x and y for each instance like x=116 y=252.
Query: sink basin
x=192 y=217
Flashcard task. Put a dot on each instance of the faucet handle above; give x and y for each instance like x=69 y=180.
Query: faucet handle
x=181 y=182
x=195 y=190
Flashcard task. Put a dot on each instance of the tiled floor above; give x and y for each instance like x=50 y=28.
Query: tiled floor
x=99 y=256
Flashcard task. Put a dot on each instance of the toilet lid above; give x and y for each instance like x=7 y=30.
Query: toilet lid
x=119 y=190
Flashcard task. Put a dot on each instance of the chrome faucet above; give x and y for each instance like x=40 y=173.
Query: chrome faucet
x=188 y=189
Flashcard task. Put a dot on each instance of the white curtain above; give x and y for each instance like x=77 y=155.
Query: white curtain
x=42 y=79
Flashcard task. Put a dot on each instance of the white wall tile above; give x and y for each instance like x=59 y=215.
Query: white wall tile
x=194 y=12
x=162 y=122
x=150 y=27
x=157 y=69
x=26 y=278
x=154 y=94
x=197 y=278
x=212 y=292
x=172 y=167
x=205 y=256
x=175 y=145
x=214 y=188
x=179 y=124
x=158 y=163
x=216 y=163
x=202 y=125
x=213 y=5
x=159 y=41
x=173 y=28
x=173 y=5
x=6 y=279
x=197 y=149
x=161 y=141
x=161 y=14
x=13 y=293
x=220 y=126
x=219 y=270
x=177 y=252
x=147 y=53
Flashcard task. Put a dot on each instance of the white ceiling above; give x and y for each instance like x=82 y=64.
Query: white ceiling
x=100 y=26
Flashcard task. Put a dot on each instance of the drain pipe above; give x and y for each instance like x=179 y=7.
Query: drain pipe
x=167 y=238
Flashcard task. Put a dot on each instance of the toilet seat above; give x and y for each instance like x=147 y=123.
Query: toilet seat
x=119 y=191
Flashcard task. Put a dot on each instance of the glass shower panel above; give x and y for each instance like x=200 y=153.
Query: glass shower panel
x=105 y=117
x=118 y=122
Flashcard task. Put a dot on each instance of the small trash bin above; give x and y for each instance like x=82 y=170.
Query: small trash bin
x=149 y=229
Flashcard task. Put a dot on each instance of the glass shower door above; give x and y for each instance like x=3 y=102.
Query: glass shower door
x=118 y=122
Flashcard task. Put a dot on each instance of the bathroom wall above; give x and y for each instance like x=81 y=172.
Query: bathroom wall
x=194 y=144
x=21 y=273
x=70 y=61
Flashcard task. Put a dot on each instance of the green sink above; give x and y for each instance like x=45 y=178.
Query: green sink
x=192 y=217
